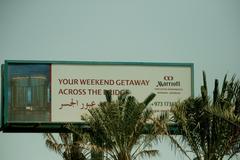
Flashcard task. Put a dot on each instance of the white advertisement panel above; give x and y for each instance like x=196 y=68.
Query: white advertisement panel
x=75 y=88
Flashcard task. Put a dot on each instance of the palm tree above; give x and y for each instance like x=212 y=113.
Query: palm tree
x=67 y=145
x=118 y=127
x=230 y=113
x=209 y=136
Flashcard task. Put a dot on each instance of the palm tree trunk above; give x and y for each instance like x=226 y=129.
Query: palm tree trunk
x=124 y=156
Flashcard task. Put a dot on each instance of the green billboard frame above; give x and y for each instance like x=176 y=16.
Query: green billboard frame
x=7 y=126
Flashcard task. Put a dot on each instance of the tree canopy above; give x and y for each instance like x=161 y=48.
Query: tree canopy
x=210 y=136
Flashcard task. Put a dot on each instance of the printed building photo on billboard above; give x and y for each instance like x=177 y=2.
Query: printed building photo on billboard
x=29 y=93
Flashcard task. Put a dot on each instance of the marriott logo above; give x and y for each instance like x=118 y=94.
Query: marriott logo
x=168 y=81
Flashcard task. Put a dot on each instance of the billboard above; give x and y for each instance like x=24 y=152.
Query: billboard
x=50 y=94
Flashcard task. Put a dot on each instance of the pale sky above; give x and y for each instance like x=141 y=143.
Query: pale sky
x=204 y=32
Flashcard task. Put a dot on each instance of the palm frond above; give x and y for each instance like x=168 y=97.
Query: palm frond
x=147 y=153
x=119 y=124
